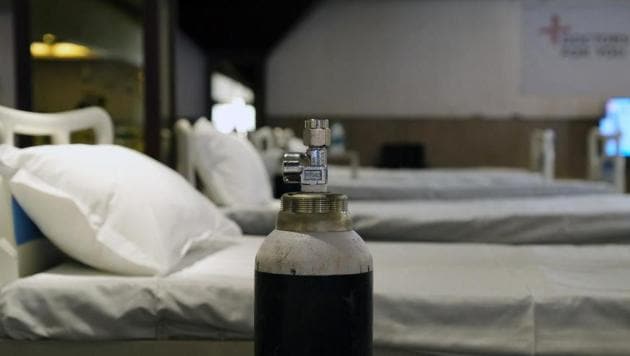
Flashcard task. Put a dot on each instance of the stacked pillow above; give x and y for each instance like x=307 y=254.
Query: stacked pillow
x=230 y=168
x=112 y=208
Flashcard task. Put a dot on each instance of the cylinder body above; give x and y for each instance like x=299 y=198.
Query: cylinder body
x=313 y=295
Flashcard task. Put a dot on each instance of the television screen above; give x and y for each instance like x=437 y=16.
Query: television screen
x=617 y=119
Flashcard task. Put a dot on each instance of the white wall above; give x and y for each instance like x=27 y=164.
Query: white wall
x=191 y=78
x=7 y=58
x=408 y=59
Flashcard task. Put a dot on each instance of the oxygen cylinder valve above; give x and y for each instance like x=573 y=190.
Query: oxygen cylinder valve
x=310 y=169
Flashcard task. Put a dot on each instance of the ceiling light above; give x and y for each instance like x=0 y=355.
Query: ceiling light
x=48 y=48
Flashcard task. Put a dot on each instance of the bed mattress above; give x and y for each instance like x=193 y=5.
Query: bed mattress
x=443 y=184
x=450 y=298
x=551 y=220
x=345 y=172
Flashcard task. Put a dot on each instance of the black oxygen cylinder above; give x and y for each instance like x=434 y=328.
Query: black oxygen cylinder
x=313 y=282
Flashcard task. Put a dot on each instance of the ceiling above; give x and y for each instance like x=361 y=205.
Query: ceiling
x=239 y=34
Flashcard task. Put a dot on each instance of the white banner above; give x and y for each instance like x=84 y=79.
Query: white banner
x=576 y=47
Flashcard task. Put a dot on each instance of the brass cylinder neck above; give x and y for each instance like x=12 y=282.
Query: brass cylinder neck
x=314 y=203
x=314 y=212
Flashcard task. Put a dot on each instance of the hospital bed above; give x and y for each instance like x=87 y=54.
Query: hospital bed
x=587 y=219
x=606 y=175
x=430 y=299
x=24 y=252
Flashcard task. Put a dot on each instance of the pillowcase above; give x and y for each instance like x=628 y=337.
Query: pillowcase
x=230 y=168
x=112 y=208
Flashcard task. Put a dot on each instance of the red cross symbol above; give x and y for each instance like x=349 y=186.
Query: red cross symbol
x=555 y=29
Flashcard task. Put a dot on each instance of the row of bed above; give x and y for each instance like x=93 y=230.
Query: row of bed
x=532 y=266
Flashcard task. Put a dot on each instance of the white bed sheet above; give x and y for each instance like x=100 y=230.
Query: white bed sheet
x=209 y=298
x=451 y=298
x=597 y=218
x=448 y=184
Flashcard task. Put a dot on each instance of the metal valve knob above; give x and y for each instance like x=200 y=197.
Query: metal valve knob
x=316 y=133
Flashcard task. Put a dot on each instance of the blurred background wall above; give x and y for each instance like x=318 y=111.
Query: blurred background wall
x=410 y=59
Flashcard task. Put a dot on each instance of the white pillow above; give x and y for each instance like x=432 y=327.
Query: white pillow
x=230 y=168
x=112 y=208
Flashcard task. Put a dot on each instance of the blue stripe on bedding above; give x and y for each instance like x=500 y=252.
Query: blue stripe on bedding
x=24 y=228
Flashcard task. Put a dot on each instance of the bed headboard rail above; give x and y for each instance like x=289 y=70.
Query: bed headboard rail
x=543 y=152
x=59 y=126
x=603 y=166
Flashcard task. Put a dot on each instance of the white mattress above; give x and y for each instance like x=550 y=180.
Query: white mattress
x=446 y=184
x=345 y=172
x=575 y=219
x=451 y=298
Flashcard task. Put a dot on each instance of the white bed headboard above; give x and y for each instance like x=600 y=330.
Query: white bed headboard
x=23 y=248
x=602 y=166
x=543 y=152
x=59 y=126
